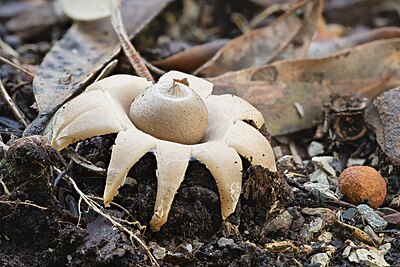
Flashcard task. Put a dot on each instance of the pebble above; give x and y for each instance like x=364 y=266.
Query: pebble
x=315 y=149
x=373 y=219
x=224 y=242
x=393 y=219
x=281 y=222
x=321 y=258
x=349 y=213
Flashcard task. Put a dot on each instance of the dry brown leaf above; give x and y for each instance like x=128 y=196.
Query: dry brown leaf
x=191 y=59
x=82 y=52
x=298 y=47
x=256 y=47
x=274 y=89
x=325 y=48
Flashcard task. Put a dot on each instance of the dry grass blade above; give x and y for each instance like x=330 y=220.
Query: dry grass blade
x=12 y=64
x=18 y=114
x=99 y=211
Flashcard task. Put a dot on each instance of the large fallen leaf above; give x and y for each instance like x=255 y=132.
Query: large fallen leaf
x=84 y=50
x=325 y=48
x=293 y=30
x=192 y=58
x=279 y=89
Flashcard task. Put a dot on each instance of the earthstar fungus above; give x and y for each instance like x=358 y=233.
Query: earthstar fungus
x=104 y=108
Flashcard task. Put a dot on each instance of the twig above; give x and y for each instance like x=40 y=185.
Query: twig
x=6 y=191
x=79 y=211
x=130 y=51
x=135 y=223
x=98 y=210
x=153 y=68
x=267 y=12
x=20 y=116
x=295 y=154
x=12 y=64
x=26 y=202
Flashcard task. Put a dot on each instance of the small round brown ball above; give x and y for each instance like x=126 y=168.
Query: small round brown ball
x=363 y=184
x=170 y=111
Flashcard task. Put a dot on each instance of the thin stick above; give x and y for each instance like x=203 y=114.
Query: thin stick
x=153 y=68
x=94 y=206
x=20 y=116
x=26 y=202
x=12 y=64
x=6 y=191
x=135 y=223
x=130 y=51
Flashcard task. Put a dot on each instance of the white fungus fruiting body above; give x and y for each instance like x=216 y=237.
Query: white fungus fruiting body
x=170 y=111
x=104 y=108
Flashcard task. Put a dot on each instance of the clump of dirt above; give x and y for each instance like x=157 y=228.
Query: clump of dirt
x=263 y=192
x=32 y=232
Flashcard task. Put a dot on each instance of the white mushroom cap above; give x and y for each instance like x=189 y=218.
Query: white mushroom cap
x=87 y=9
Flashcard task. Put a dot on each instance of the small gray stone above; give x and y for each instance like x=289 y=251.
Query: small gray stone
x=349 y=213
x=315 y=149
x=223 y=242
x=323 y=163
x=321 y=258
x=281 y=222
x=393 y=219
x=373 y=219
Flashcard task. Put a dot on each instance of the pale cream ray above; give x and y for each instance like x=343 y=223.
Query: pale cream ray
x=226 y=166
x=172 y=162
x=217 y=126
x=69 y=111
x=129 y=147
x=102 y=120
x=236 y=108
x=123 y=88
x=251 y=144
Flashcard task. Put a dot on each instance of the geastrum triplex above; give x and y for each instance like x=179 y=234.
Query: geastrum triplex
x=178 y=119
